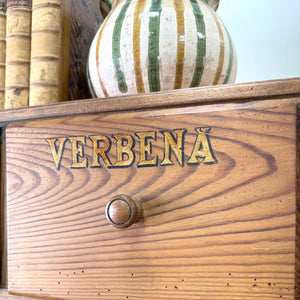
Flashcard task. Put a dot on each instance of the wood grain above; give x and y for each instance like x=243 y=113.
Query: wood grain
x=297 y=276
x=4 y=295
x=3 y=227
x=244 y=92
x=218 y=231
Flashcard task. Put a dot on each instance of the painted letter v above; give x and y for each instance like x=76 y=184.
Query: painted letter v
x=57 y=151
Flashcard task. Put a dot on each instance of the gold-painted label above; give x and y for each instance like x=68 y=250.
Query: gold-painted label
x=18 y=3
x=133 y=149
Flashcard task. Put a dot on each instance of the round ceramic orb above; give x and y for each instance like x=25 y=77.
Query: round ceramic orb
x=158 y=45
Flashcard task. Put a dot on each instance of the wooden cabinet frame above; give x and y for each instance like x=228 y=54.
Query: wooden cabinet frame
x=283 y=92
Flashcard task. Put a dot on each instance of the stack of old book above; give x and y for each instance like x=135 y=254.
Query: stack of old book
x=44 y=47
x=2 y=51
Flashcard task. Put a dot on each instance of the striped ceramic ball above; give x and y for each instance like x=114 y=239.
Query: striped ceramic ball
x=158 y=45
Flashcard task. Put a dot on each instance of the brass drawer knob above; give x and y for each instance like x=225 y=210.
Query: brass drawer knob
x=123 y=211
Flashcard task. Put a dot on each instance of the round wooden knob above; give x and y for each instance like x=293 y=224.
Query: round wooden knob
x=122 y=211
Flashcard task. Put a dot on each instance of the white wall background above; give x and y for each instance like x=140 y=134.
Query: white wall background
x=266 y=34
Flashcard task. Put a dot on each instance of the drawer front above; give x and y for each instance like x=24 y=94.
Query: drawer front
x=217 y=185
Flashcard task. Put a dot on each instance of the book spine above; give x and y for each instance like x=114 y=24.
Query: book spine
x=2 y=51
x=46 y=78
x=18 y=27
x=85 y=22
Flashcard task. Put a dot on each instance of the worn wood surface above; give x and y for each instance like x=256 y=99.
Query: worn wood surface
x=3 y=227
x=297 y=277
x=210 y=231
x=4 y=295
x=244 y=92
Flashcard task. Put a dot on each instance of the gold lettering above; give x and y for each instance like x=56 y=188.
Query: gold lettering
x=57 y=151
x=100 y=151
x=78 y=151
x=125 y=144
x=172 y=144
x=146 y=148
x=175 y=145
x=202 y=148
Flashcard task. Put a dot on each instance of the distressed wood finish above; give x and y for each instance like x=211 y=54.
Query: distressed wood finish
x=297 y=277
x=210 y=231
x=5 y=296
x=3 y=227
x=243 y=92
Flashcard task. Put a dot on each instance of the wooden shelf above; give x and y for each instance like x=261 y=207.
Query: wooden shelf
x=222 y=228
x=232 y=93
x=5 y=295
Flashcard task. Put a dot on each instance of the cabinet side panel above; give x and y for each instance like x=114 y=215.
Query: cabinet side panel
x=218 y=187
x=3 y=232
x=297 y=277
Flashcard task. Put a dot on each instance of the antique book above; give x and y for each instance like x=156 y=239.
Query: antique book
x=49 y=51
x=85 y=21
x=2 y=50
x=18 y=24
x=62 y=31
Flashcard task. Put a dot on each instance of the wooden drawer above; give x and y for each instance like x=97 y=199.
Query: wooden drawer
x=218 y=187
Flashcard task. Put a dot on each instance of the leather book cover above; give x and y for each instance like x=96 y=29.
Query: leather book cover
x=86 y=19
x=2 y=50
x=49 y=51
x=18 y=28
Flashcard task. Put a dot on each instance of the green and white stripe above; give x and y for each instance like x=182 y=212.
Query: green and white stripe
x=116 y=48
x=201 y=44
x=155 y=45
